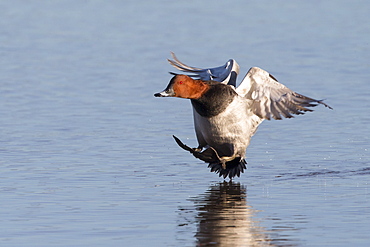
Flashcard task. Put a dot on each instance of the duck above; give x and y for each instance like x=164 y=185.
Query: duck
x=226 y=116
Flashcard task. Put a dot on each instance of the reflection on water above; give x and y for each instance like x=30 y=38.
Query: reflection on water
x=224 y=218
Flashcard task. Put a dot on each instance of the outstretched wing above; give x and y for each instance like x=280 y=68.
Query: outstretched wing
x=225 y=74
x=271 y=99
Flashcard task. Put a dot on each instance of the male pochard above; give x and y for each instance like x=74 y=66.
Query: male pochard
x=226 y=117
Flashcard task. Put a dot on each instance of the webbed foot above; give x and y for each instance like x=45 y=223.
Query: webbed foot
x=226 y=166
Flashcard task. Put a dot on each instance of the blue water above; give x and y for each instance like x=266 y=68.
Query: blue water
x=86 y=152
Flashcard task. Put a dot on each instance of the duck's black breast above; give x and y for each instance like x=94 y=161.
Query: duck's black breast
x=214 y=101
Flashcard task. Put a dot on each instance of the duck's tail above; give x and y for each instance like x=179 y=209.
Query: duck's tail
x=229 y=168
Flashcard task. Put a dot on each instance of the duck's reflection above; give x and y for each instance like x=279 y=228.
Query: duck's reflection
x=223 y=218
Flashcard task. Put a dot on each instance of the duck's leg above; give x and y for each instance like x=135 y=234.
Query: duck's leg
x=224 y=166
x=208 y=155
x=183 y=146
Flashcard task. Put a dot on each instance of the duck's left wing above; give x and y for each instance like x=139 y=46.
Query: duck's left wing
x=225 y=74
x=271 y=99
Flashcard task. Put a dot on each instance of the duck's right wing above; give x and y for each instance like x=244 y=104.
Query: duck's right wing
x=271 y=99
x=225 y=74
